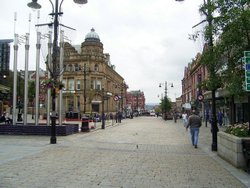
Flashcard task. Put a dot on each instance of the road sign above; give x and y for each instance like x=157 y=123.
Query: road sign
x=247 y=53
x=248 y=87
x=246 y=60
x=247 y=67
x=247 y=73
x=247 y=80
x=116 y=98
x=200 y=97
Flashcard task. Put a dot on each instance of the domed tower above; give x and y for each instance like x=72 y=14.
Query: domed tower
x=92 y=46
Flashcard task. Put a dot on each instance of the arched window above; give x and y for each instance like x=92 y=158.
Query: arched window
x=96 y=69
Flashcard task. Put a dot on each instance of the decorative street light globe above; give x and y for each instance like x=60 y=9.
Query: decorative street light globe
x=34 y=5
x=81 y=2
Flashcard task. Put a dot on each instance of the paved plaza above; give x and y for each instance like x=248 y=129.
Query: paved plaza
x=144 y=152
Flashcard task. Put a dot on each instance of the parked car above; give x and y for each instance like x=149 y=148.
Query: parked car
x=152 y=113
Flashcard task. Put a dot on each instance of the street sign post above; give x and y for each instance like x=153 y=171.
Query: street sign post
x=246 y=60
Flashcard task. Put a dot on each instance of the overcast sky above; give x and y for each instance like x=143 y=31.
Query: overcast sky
x=147 y=39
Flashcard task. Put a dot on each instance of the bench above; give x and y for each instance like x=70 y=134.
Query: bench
x=246 y=153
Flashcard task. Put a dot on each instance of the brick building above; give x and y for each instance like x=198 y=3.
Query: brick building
x=135 y=101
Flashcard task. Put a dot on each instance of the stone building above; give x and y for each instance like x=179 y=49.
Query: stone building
x=91 y=83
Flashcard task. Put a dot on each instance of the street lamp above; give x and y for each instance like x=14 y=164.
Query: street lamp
x=165 y=97
x=166 y=87
x=56 y=11
x=85 y=71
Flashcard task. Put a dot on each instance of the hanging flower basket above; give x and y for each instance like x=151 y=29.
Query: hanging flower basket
x=49 y=83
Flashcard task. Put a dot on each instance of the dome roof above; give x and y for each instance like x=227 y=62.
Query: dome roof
x=92 y=36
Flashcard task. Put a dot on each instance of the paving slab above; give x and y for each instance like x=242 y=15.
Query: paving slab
x=140 y=152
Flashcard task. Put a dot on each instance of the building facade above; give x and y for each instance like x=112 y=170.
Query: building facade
x=91 y=83
x=193 y=96
x=192 y=93
x=135 y=101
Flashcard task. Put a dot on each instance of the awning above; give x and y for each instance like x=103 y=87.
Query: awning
x=186 y=106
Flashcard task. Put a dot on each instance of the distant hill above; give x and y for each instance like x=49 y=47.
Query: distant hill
x=150 y=106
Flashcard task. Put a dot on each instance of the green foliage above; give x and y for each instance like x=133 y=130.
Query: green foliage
x=158 y=109
x=233 y=22
x=32 y=89
x=238 y=130
x=165 y=104
x=228 y=23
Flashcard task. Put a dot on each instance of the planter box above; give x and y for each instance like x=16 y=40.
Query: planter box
x=230 y=149
x=41 y=129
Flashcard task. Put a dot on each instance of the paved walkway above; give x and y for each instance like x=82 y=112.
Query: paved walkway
x=141 y=152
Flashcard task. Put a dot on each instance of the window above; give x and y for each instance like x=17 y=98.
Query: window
x=96 y=69
x=96 y=84
x=70 y=68
x=76 y=67
x=71 y=83
x=78 y=84
x=64 y=83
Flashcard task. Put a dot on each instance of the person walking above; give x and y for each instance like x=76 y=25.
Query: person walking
x=119 y=117
x=220 y=118
x=194 y=122
x=184 y=118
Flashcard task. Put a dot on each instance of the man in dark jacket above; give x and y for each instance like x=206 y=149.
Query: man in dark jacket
x=194 y=122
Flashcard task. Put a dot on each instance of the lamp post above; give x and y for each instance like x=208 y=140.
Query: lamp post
x=103 y=116
x=85 y=71
x=56 y=11
x=166 y=87
x=211 y=70
x=105 y=95
x=123 y=91
x=165 y=96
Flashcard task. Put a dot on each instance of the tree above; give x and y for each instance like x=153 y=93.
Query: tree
x=233 y=25
x=158 y=109
x=233 y=30
x=32 y=90
x=165 y=105
x=209 y=59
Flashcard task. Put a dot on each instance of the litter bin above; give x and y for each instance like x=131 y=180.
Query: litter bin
x=85 y=124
